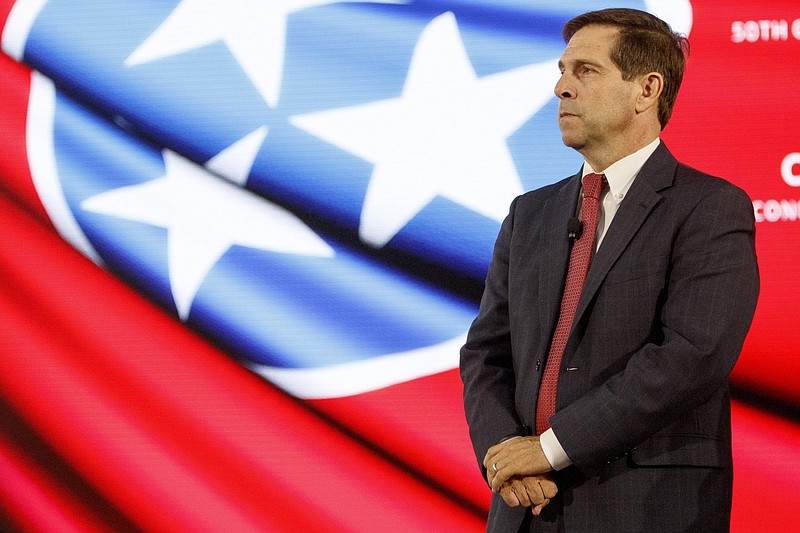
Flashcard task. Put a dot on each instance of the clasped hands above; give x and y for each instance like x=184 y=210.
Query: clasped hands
x=517 y=469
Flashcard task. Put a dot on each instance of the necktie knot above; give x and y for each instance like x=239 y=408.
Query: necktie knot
x=592 y=185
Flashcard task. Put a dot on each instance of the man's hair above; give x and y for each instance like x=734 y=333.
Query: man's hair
x=645 y=44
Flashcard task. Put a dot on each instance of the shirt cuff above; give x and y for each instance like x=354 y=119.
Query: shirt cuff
x=553 y=451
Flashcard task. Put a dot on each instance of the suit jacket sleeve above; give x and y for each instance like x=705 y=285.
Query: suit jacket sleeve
x=707 y=305
x=486 y=361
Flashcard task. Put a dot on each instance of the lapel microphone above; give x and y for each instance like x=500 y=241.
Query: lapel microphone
x=574 y=228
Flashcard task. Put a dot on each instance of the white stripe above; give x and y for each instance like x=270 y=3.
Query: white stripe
x=42 y=162
x=348 y=379
x=18 y=26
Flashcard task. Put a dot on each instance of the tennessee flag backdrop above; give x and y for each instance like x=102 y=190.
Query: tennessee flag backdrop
x=242 y=243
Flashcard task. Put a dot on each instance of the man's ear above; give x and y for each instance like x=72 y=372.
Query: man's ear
x=652 y=84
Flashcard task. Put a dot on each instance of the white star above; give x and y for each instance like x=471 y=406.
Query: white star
x=253 y=30
x=205 y=216
x=445 y=135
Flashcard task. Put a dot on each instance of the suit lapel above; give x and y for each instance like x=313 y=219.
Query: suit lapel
x=656 y=174
x=557 y=211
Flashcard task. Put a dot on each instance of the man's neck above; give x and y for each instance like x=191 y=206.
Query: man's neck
x=604 y=157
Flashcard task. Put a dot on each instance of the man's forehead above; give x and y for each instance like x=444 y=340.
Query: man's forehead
x=590 y=42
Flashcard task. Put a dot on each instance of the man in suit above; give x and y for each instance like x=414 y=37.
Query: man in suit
x=609 y=411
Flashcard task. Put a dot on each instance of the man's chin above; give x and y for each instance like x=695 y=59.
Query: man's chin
x=573 y=142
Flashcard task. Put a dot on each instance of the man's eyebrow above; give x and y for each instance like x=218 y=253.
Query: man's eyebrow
x=579 y=62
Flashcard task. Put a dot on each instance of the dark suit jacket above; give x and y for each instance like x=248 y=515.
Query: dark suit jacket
x=642 y=407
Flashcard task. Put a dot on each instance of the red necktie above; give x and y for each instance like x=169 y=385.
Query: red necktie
x=579 y=260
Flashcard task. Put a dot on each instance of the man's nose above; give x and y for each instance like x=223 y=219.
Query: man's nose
x=563 y=88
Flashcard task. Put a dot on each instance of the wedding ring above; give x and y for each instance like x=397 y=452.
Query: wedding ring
x=494 y=467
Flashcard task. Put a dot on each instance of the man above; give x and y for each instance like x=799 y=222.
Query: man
x=609 y=410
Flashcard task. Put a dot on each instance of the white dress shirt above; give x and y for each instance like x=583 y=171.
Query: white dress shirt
x=620 y=177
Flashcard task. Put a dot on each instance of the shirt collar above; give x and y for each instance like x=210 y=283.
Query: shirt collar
x=621 y=174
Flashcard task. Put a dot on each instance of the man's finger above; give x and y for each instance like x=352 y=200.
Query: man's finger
x=491 y=457
x=521 y=491
x=492 y=453
x=538 y=509
x=549 y=488
x=509 y=497
x=491 y=473
x=534 y=490
x=500 y=477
